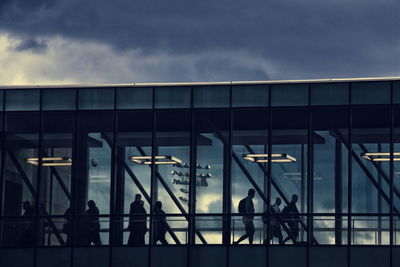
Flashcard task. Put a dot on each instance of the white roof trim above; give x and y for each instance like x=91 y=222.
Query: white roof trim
x=200 y=83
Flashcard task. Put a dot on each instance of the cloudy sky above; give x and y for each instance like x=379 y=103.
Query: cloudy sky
x=70 y=41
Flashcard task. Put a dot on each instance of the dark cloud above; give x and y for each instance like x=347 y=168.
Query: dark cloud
x=37 y=46
x=296 y=39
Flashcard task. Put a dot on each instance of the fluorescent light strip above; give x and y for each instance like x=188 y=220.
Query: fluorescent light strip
x=50 y=161
x=158 y=160
x=380 y=156
x=261 y=158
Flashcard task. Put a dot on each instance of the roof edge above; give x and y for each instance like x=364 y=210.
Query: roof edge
x=327 y=80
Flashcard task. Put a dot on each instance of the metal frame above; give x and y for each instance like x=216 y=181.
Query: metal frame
x=230 y=157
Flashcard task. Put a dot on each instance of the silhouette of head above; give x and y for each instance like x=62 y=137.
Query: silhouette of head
x=91 y=204
x=26 y=205
x=294 y=198
x=158 y=205
x=138 y=197
x=278 y=201
x=251 y=193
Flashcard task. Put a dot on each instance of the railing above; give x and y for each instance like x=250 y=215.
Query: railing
x=208 y=229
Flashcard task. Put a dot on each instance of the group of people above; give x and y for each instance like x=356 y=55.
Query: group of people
x=138 y=225
x=273 y=218
x=90 y=226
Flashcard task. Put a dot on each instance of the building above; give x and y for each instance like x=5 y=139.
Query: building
x=198 y=148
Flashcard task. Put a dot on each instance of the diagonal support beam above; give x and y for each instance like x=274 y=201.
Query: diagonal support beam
x=173 y=197
x=278 y=189
x=34 y=194
x=252 y=181
x=380 y=171
x=61 y=182
x=340 y=137
x=143 y=191
x=139 y=186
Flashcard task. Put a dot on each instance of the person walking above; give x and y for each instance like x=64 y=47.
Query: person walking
x=246 y=208
x=137 y=222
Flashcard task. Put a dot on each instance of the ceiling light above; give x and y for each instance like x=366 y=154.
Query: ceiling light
x=51 y=161
x=260 y=158
x=380 y=156
x=158 y=160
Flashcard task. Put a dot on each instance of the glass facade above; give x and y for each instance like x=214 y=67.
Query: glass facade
x=201 y=175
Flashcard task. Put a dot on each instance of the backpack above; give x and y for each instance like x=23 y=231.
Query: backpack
x=242 y=206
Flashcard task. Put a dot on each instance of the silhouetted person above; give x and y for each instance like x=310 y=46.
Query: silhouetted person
x=275 y=223
x=67 y=227
x=137 y=222
x=159 y=224
x=292 y=218
x=28 y=225
x=246 y=207
x=93 y=224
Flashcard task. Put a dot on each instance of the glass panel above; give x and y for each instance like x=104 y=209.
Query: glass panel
x=169 y=256
x=328 y=256
x=211 y=96
x=212 y=139
x=133 y=177
x=172 y=179
x=370 y=230
x=370 y=171
x=369 y=256
x=370 y=93
x=289 y=95
x=250 y=96
x=59 y=99
x=210 y=229
x=396 y=256
x=56 y=182
x=214 y=256
x=172 y=97
x=89 y=257
x=330 y=130
x=330 y=94
x=396 y=92
x=278 y=256
x=211 y=131
x=396 y=175
x=56 y=174
x=135 y=98
x=128 y=257
x=96 y=98
x=330 y=230
x=22 y=100
x=250 y=136
x=21 y=178
x=289 y=168
x=93 y=177
x=1 y=100
x=173 y=141
x=17 y=257
x=243 y=256
x=249 y=229
x=50 y=257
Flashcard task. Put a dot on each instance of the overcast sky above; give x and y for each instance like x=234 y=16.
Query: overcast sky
x=70 y=41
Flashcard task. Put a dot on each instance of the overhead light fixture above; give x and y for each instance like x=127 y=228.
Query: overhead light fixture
x=51 y=161
x=260 y=158
x=158 y=160
x=380 y=156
